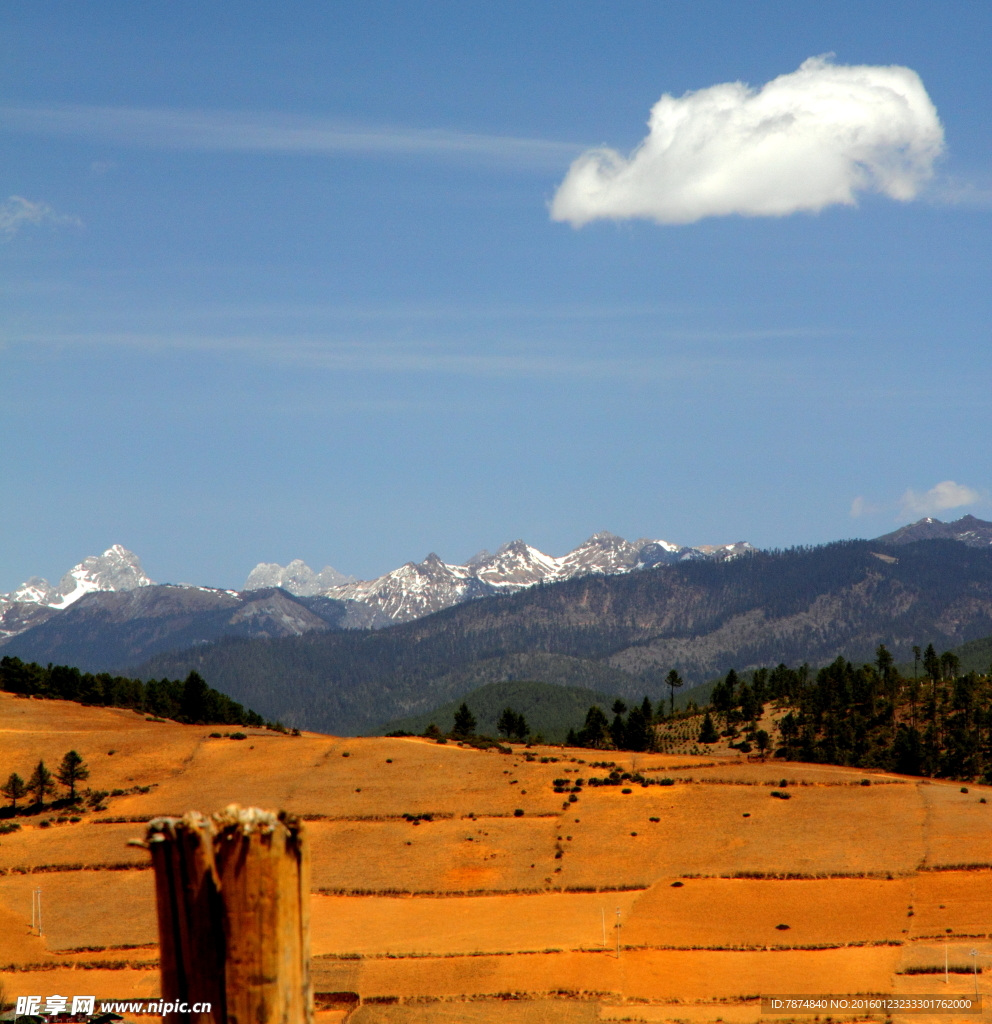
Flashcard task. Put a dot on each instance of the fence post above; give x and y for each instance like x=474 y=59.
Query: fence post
x=233 y=898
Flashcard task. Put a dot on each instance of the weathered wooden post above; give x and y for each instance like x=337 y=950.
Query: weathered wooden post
x=233 y=896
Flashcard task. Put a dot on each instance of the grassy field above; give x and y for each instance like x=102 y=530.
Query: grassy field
x=721 y=890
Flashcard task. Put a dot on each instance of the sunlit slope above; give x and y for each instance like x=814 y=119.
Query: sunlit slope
x=428 y=884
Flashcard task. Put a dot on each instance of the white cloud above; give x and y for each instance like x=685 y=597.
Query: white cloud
x=804 y=141
x=945 y=495
x=16 y=212
x=250 y=131
x=860 y=507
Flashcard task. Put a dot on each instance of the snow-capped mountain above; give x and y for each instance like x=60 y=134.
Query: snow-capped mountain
x=414 y=590
x=116 y=569
x=417 y=589
x=409 y=592
x=36 y=599
x=297 y=577
x=976 y=533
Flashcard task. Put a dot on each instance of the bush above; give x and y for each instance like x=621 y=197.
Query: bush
x=7 y=827
x=238 y=736
x=518 y=813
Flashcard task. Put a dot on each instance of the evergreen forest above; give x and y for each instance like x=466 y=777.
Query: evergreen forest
x=190 y=701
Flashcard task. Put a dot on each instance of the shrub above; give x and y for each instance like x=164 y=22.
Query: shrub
x=238 y=736
x=626 y=791
x=7 y=827
x=518 y=813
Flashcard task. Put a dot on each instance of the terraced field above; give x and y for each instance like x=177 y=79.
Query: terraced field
x=436 y=899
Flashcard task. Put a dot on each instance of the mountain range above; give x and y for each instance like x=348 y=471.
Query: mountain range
x=404 y=594
x=611 y=616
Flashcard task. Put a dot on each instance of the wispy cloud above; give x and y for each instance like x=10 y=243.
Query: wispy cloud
x=239 y=131
x=548 y=361
x=805 y=141
x=16 y=212
x=974 y=193
x=945 y=495
x=861 y=507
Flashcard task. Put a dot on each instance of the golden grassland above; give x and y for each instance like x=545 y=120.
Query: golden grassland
x=475 y=913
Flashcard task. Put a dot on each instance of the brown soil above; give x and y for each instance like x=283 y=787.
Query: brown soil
x=452 y=914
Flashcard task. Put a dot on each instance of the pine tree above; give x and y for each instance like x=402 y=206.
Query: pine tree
x=193 y=703
x=931 y=663
x=507 y=723
x=673 y=681
x=41 y=783
x=637 y=734
x=14 y=789
x=708 y=733
x=464 y=722
x=596 y=731
x=72 y=770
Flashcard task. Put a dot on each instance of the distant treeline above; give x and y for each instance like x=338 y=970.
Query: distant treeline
x=190 y=701
x=936 y=722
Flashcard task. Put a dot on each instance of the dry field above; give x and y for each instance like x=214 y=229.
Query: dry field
x=476 y=913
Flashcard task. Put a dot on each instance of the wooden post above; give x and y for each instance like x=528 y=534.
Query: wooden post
x=233 y=896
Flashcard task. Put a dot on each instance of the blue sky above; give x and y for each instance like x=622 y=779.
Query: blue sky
x=282 y=280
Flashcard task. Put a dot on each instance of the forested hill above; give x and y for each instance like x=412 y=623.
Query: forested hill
x=701 y=618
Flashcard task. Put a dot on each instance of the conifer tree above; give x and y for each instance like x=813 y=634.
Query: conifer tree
x=73 y=769
x=673 y=681
x=41 y=783
x=464 y=721
x=14 y=789
x=708 y=733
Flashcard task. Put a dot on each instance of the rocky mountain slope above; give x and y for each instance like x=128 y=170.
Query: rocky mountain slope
x=701 y=617
x=976 y=533
x=406 y=593
x=417 y=589
x=36 y=600
x=110 y=630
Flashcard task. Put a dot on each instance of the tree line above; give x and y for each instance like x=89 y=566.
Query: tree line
x=190 y=701
x=936 y=723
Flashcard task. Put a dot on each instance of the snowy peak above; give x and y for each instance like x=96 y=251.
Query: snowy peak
x=419 y=588
x=513 y=566
x=296 y=578
x=976 y=533
x=116 y=569
x=414 y=590
x=603 y=553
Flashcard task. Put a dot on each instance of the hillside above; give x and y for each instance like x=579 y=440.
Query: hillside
x=702 y=618
x=550 y=710
x=432 y=899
